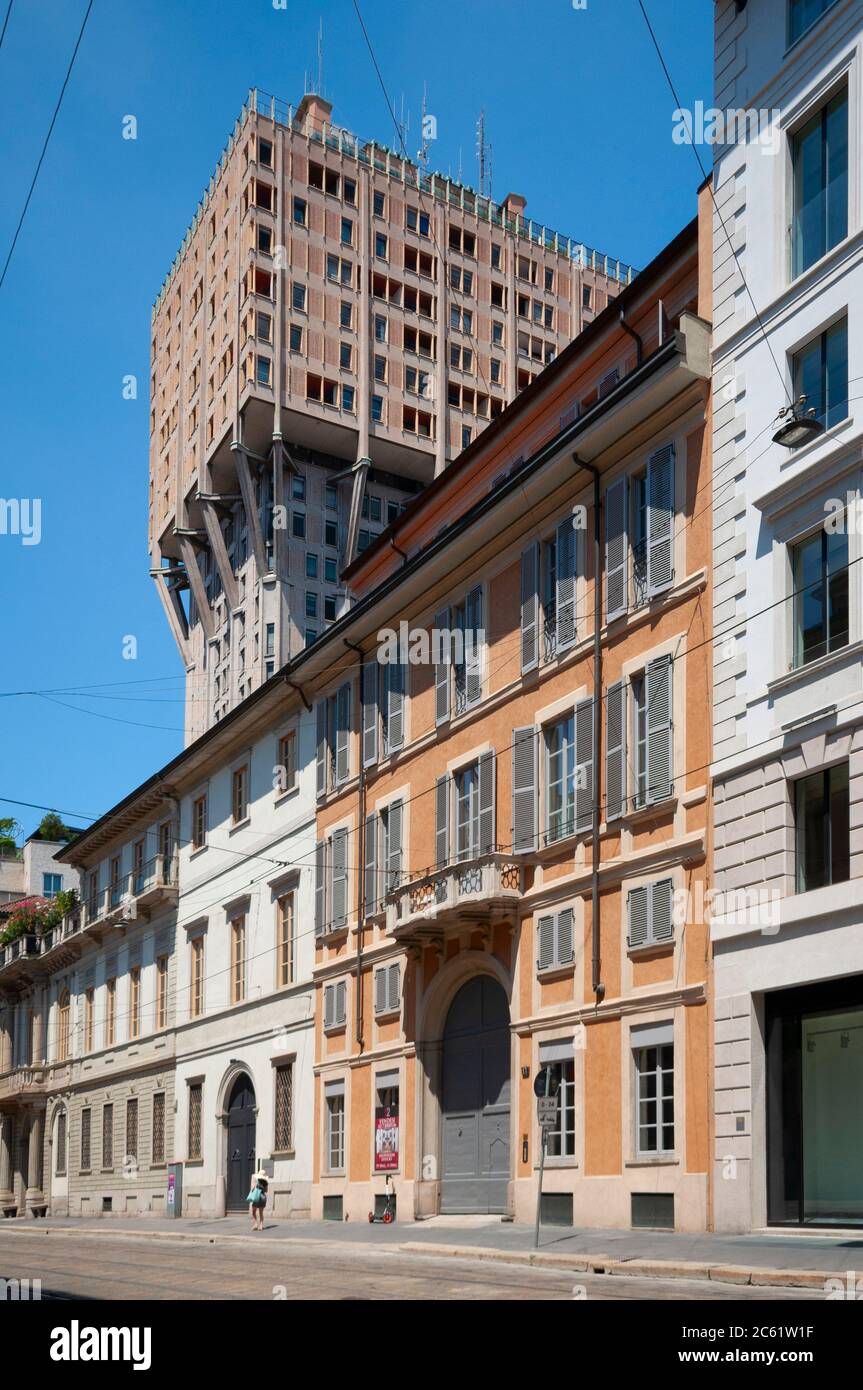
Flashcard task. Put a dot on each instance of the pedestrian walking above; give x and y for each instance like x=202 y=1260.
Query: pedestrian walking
x=257 y=1200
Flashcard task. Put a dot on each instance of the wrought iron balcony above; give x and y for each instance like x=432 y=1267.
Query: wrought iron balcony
x=480 y=890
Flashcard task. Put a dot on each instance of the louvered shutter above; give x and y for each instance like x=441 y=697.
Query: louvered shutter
x=638 y=912
x=339 y=847
x=616 y=550
x=341 y=1002
x=584 y=765
x=473 y=646
x=329 y=1005
x=565 y=589
x=487 y=803
x=545 y=943
x=343 y=728
x=530 y=607
x=660 y=519
x=661 y=903
x=394 y=846
x=380 y=990
x=443 y=668
x=371 y=865
x=371 y=670
x=321 y=747
x=525 y=810
x=395 y=706
x=615 y=751
x=320 y=887
x=442 y=803
x=660 y=770
x=393 y=991
x=564 y=947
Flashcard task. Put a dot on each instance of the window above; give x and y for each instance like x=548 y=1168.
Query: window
x=329 y=608
x=333 y=727
x=132 y=1128
x=199 y=821
x=347 y=232
x=335 y=1099
x=287 y=762
x=554 y=936
x=819 y=155
x=296 y=338
x=639 y=739
x=379 y=204
x=162 y=992
x=298 y=297
x=654 y=1092
x=820 y=373
x=345 y=356
x=331 y=883
x=86 y=1135
x=802 y=14
x=380 y=245
x=377 y=408
x=110 y=1011
x=497 y=333
x=383 y=855
x=380 y=368
x=265 y=153
x=52 y=884
x=193 y=1142
x=331 y=533
x=561 y=776
x=380 y=328
x=262 y=370
x=649 y=914
x=135 y=1002
x=819 y=567
x=116 y=890
x=60 y=1156
x=285 y=943
x=311 y=604
x=639 y=534
x=238 y=959
x=300 y=212
x=822 y=824
x=335 y=1005
x=349 y=191
x=196 y=994
x=158 y=1127
x=283 y=1138
x=495 y=256
x=264 y=327
x=330 y=570
x=311 y=566
x=560 y=1141
x=298 y=488
x=63 y=1022
x=240 y=794
x=89 y=1032
x=107 y=1138
x=346 y=314
x=468 y=664
x=387 y=989
x=265 y=240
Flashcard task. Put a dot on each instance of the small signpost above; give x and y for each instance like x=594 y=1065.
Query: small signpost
x=545 y=1087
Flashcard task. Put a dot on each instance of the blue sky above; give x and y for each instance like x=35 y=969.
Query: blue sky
x=579 y=117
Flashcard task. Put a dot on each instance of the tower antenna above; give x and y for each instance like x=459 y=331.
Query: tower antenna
x=484 y=153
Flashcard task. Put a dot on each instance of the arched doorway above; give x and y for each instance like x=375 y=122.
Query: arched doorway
x=476 y=1099
x=241 y=1142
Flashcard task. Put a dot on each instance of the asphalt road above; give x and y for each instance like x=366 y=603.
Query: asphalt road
x=113 y=1267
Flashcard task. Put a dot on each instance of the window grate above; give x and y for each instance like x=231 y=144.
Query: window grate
x=284 y=1107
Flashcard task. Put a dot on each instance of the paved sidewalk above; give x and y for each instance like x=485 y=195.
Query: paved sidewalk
x=784 y=1257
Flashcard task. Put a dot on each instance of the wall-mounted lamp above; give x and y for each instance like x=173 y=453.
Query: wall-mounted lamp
x=524 y=1148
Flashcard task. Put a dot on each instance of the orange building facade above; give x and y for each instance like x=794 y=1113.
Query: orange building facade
x=513 y=803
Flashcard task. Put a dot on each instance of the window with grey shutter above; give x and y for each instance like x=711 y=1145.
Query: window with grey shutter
x=371 y=864
x=583 y=765
x=394 y=845
x=525 y=801
x=487 y=841
x=660 y=770
x=565 y=596
x=339 y=899
x=393 y=987
x=320 y=886
x=530 y=607
x=616 y=550
x=660 y=520
x=343 y=731
x=443 y=668
x=473 y=646
x=564 y=937
x=329 y=1006
x=650 y=912
x=395 y=705
x=341 y=1003
x=615 y=751
x=442 y=805
x=381 y=990
x=371 y=673
x=321 y=746
x=545 y=943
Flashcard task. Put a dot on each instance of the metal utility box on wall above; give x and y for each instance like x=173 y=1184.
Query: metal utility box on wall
x=174 y=1194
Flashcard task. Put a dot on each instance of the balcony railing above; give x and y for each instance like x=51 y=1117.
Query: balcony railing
x=483 y=889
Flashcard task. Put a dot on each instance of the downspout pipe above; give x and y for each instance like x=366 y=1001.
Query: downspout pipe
x=596 y=957
x=361 y=840
x=639 y=345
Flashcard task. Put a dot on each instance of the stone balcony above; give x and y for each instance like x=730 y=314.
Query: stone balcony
x=31 y=1082
x=474 y=892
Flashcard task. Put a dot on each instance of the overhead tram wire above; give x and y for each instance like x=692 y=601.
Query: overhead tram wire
x=5 y=23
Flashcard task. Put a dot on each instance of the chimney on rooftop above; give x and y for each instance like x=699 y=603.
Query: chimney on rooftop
x=514 y=205
x=313 y=113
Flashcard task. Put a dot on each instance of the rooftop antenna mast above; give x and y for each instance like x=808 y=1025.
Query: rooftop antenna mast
x=404 y=125
x=423 y=151
x=319 y=89
x=484 y=152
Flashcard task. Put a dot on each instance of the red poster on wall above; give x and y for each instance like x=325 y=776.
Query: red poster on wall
x=386 y=1139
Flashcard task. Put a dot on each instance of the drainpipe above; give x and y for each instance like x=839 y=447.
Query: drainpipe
x=361 y=841
x=597 y=985
x=639 y=345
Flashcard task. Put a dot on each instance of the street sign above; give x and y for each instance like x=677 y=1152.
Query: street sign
x=546 y=1111
x=546 y=1082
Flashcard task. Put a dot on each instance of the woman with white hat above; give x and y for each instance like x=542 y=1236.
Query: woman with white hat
x=257 y=1200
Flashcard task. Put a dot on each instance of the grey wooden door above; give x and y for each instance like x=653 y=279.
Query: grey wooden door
x=241 y=1143
x=476 y=1099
